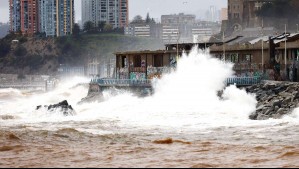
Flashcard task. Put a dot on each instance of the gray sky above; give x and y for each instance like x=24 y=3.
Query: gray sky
x=156 y=8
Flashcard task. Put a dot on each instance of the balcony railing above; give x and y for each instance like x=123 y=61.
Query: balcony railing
x=243 y=81
x=121 y=82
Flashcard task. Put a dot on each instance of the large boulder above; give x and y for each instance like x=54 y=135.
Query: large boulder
x=63 y=107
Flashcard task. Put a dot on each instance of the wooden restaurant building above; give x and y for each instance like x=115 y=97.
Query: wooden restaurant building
x=259 y=56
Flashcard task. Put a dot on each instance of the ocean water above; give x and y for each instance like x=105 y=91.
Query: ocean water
x=184 y=124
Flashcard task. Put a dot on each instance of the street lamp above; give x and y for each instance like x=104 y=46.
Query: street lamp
x=297 y=28
x=223 y=46
x=177 y=43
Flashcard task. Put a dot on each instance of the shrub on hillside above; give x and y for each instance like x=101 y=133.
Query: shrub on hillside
x=20 y=51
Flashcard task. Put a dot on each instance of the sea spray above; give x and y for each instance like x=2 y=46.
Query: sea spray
x=185 y=98
x=24 y=106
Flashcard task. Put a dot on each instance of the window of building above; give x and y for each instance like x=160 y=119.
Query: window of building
x=158 y=60
x=123 y=61
x=137 y=61
x=248 y=58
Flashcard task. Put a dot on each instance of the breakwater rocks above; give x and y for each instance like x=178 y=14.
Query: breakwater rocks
x=275 y=99
x=63 y=107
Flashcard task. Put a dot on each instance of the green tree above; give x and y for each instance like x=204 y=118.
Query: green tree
x=89 y=26
x=23 y=39
x=279 y=9
x=76 y=30
x=148 y=19
x=108 y=27
x=137 y=19
x=153 y=21
x=20 y=51
x=101 y=25
x=4 y=48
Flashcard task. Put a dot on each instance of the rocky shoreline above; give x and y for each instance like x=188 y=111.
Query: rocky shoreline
x=275 y=99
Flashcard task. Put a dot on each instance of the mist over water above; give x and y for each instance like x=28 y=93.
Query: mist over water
x=184 y=98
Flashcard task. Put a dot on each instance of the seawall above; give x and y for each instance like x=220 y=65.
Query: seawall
x=275 y=99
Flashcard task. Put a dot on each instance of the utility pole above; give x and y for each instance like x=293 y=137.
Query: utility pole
x=177 y=43
x=223 y=46
x=263 y=45
x=285 y=49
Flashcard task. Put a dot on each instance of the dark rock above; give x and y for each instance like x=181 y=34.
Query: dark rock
x=268 y=112
x=281 y=111
x=92 y=97
x=253 y=116
x=275 y=99
x=38 y=107
x=276 y=103
x=277 y=116
x=276 y=108
x=262 y=117
x=296 y=95
x=62 y=106
x=287 y=101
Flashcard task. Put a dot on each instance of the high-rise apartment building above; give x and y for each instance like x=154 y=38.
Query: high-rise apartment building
x=56 y=17
x=23 y=16
x=15 y=15
x=47 y=17
x=113 y=12
x=29 y=16
x=53 y=17
x=65 y=17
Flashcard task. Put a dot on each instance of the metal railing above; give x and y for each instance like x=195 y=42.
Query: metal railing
x=243 y=81
x=239 y=81
x=121 y=82
x=21 y=85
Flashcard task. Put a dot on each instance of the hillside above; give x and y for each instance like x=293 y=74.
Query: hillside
x=37 y=55
x=4 y=30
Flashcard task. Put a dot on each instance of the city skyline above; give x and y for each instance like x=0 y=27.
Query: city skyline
x=142 y=7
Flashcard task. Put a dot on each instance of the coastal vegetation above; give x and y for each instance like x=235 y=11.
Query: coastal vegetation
x=280 y=9
x=42 y=55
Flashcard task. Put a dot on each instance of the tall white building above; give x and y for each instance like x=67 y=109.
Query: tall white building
x=15 y=15
x=56 y=17
x=114 y=12
x=212 y=15
x=47 y=15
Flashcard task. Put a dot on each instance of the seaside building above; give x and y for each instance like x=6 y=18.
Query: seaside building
x=249 y=56
x=113 y=12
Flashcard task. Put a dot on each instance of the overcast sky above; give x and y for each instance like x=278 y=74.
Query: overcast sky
x=156 y=8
